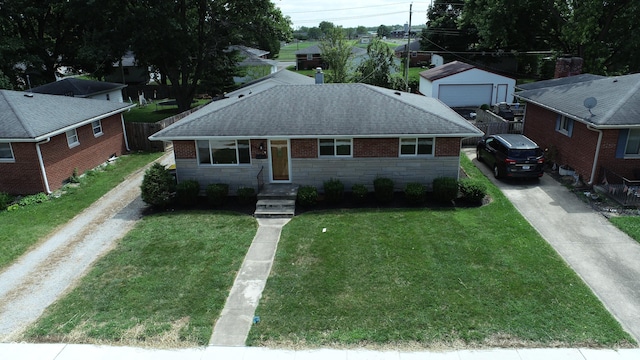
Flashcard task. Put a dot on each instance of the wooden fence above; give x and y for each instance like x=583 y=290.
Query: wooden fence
x=138 y=133
x=490 y=124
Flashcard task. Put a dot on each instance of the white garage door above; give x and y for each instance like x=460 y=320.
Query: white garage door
x=465 y=95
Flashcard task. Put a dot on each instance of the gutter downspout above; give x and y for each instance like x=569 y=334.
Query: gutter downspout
x=124 y=133
x=595 y=158
x=42 y=168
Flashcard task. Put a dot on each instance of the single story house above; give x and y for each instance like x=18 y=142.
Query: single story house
x=254 y=64
x=417 y=57
x=592 y=122
x=311 y=57
x=44 y=138
x=458 y=84
x=307 y=134
x=82 y=88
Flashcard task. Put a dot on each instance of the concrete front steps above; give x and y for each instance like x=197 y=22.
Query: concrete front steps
x=276 y=201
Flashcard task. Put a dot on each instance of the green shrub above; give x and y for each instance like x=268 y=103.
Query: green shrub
x=5 y=200
x=34 y=199
x=415 y=193
x=74 y=178
x=485 y=107
x=307 y=196
x=246 y=195
x=187 y=192
x=383 y=188
x=473 y=190
x=359 y=193
x=445 y=189
x=158 y=186
x=333 y=190
x=217 y=194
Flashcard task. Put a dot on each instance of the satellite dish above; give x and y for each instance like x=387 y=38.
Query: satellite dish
x=590 y=103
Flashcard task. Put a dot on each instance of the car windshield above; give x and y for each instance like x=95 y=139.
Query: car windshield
x=525 y=153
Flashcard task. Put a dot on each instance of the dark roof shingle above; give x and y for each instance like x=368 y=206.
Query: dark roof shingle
x=77 y=87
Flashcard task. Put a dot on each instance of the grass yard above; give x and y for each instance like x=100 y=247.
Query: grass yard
x=288 y=52
x=628 y=224
x=163 y=286
x=426 y=278
x=153 y=112
x=25 y=226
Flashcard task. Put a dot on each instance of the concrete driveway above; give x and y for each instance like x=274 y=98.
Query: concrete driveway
x=604 y=257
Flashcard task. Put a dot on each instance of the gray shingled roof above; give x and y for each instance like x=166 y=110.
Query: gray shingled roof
x=31 y=118
x=559 y=81
x=448 y=69
x=618 y=100
x=356 y=110
x=77 y=87
x=413 y=46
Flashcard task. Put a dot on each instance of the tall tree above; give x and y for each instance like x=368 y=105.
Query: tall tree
x=379 y=67
x=443 y=31
x=336 y=52
x=383 y=31
x=188 y=40
x=326 y=27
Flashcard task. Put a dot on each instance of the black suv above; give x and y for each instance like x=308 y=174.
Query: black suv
x=511 y=155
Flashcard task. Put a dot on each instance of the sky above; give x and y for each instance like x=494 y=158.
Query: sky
x=353 y=13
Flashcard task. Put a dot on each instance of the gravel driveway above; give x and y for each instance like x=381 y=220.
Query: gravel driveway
x=51 y=268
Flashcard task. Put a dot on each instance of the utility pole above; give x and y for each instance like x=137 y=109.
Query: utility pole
x=406 y=68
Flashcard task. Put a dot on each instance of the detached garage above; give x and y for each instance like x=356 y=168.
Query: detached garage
x=458 y=84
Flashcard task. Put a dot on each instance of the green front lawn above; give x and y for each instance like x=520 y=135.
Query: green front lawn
x=154 y=112
x=25 y=226
x=628 y=224
x=163 y=286
x=426 y=278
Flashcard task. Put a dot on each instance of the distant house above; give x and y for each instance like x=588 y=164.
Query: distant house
x=458 y=84
x=294 y=131
x=311 y=58
x=254 y=64
x=591 y=122
x=128 y=71
x=81 y=88
x=44 y=138
x=417 y=57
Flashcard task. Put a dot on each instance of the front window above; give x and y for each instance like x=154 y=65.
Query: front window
x=416 y=146
x=6 y=152
x=564 y=125
x=335 y=147
x=223 y=152
x=97 y=128
x=633 y=142
x=72 y=138
x=309 y=56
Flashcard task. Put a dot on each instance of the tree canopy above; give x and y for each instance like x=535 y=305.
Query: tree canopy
x=336 y=52
x=379 y=67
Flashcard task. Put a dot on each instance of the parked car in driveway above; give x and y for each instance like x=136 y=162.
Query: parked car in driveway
x=511 y=155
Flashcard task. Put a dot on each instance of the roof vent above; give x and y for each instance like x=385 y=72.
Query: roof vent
x=29 y=95
x=398 y=93
x=241 y=95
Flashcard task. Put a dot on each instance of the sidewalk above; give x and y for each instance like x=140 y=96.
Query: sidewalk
x=605 y=258
x=82 y=352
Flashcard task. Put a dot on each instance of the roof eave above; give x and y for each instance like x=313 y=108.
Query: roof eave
x=369 y=136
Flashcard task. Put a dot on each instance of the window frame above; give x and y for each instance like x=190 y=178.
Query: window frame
x=564 y=125
x=309 y=57
x=335 y=147
x=73 y=133
x=416 y=145
x=94 y=127
x=6 y=159
x=211 y=157
x=626 y=145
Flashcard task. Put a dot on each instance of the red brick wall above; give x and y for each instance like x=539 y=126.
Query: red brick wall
x=577 y=151
x=376 y=147
x=60 y=160
x=607 y=158
x=448 y=146
x=184 y=149
x=22 y=176
x=304 y=148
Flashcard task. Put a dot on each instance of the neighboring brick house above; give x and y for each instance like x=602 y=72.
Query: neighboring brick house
x=43 y=138
x=82 y=88
x=417 y=57
x=311 y=58
x=592 y=121
x=307 y=134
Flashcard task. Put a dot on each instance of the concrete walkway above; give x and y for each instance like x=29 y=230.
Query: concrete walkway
x=237 y=316
x=604 y=257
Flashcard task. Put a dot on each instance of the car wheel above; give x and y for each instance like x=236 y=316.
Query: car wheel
x=496 y=171
x=478 y=156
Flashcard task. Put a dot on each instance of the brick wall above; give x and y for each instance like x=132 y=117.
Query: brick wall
x=376 y=147
x=22 y=176
x=623 y=167
x=60 y=160
x=304 y=148
x=448 y=147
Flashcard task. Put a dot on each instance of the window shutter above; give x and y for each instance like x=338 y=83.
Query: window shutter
x=623 y=134
x=570 y=127
x=558 y=121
